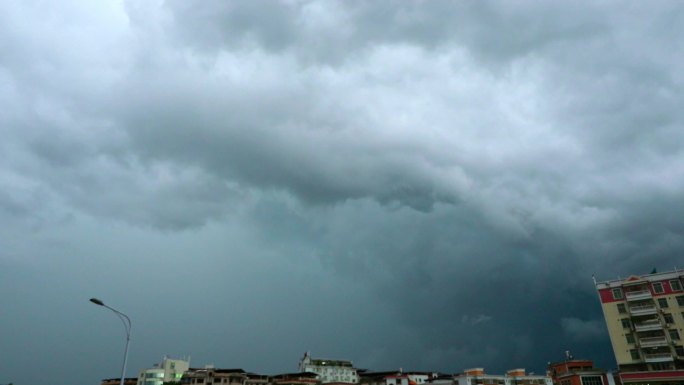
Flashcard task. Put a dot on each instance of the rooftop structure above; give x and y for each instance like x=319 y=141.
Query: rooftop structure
x=477 y=376
x=329 y=371
x=398 y=377
x=117 y=381
x=169 y=370
x=211 y=375
x=578 y=372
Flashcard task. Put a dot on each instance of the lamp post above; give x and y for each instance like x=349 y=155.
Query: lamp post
x=127 y=324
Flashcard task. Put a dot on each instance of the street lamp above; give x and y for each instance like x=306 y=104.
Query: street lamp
x=127 y=324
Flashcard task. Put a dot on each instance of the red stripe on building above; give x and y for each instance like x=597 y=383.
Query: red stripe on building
x=606 y=296
x=649 y=375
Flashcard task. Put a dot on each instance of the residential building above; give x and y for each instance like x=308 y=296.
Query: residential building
x=169 y=370
x=477 y=376
x=398 y=377
x=578 y=372
x=117 y=381
x=645 y=319
x=305 y=378
x=257 y=379
x=329 y=371
x=210 y=375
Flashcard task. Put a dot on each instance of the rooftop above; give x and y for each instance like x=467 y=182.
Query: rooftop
x=653 y=277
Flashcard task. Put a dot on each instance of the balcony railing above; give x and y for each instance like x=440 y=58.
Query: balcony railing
x=638 y=295
x=652 y=341
x=658 y=357
x=643 y=309
x=648 y=325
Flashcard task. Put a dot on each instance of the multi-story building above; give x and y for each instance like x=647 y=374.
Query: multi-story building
x=645 y=319
x=477 y=376
x=329 y=371
x=578 y=372
x=306 y=378
x=398 y=377
x=210 y=375
x=169 y=370
x=117 y=381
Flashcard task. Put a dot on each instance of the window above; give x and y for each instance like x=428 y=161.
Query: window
x=661 y=366
x=662 y=302
x=621 y=308
x=617 y=293
x=679 y=350
x=592 y=380
x=674 y=335
x=630 y=338
x=625 y=323
x=680 y=300
x=668 y=318
x=676 y=285
x=634 y=353
x=658 y=288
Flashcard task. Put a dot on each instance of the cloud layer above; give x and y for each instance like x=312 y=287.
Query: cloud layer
x=427 y=185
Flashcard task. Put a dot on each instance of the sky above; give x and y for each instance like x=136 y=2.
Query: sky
x=426 y=185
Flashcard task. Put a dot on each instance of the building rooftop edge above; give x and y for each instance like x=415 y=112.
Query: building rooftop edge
x=646 y=277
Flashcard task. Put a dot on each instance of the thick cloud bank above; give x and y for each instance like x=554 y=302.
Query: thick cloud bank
x=426 y=185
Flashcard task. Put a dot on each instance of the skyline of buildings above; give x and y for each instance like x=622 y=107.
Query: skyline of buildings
x=644 y=316
x=321 y=371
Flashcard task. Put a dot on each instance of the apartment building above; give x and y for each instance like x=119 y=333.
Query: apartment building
x=210 y=376
x=477 y=376
x=645 y=319
x=117 y=381
x=169 y=370
x=398 y=377
x=578 y=372
x=329 y=371
x=306 y=378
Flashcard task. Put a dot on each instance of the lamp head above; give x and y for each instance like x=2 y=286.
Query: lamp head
x=97 y=301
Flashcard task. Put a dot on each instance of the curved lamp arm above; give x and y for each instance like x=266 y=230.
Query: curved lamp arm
x=127 y=325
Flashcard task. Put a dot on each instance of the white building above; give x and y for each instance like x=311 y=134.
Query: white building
x=169 y=370
x=329 y=371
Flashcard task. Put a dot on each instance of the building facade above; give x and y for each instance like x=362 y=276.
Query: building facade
x=117 y=381
x=578 y=372
x=169 y=370
x=329 y=371
x=210 y=375
x=398 y=377
x=477 y=376
x=645 y=319
x=306 y=378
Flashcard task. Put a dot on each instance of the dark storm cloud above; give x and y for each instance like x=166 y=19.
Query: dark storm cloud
x=427 y=185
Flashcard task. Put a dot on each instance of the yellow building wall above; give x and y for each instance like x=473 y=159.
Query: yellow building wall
x=618 y=333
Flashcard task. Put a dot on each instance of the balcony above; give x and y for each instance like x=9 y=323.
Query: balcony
x=643 y=310
x=638 y=295
x=650 y=342
x=648 y=325
x=658 y=357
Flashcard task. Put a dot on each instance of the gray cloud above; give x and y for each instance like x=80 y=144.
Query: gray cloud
x=424 y=185
x=581 y=329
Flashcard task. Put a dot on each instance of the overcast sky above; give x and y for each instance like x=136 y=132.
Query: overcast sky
x=425 y=185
